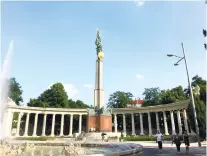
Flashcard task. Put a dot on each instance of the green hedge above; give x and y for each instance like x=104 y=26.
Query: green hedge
x=145 y=138
x=41 y=138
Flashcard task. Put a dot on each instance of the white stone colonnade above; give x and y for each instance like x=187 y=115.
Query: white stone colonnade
x=172 y=109
x=36 y=111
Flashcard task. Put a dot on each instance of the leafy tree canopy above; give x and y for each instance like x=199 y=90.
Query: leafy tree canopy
x=56 y=97
x=119 y=99
x=15 y=91
x=152 y=96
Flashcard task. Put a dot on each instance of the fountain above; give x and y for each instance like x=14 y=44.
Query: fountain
x=4 y=86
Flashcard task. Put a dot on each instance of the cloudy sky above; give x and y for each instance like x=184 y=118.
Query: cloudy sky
x=55 y=42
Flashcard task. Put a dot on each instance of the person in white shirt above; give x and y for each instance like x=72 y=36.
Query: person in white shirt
x=159 y=138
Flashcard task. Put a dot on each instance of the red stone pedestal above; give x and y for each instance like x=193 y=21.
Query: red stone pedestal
x=100 y=123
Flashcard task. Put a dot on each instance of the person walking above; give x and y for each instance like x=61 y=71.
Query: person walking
x=186 y=141
x=177 y=141
x=173 y=138
x=159 y=138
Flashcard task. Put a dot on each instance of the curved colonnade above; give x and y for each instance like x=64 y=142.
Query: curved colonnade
x=178 y=109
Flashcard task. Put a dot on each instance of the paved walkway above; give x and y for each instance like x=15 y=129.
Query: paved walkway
x=150 y=149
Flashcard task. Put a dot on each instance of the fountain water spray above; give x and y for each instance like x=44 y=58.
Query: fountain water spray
x=4 y=86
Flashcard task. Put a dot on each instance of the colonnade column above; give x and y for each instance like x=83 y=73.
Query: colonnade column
x=124 y=124
x=141 y=124
x=53 y=125
x=44 y=125
x=172 y=122
x=149 y=123
x=165 y=123
x=18 y=123
x=179 y=122
x=26 y=125
x=185 y=121
x=80 y=124
x=62 y=124
x=157 y=121
x=71 y=125
x=115 y=123
x=35 y=125
x=133 y=127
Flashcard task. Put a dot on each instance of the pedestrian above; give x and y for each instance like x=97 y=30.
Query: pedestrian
x=177 y=141
x=186 y=141
x=173 y=138
x=159 y=138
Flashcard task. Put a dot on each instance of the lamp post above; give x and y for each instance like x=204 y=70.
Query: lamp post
x=191 y=92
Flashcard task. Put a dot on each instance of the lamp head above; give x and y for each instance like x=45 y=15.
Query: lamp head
x=176 y=64
x=170 y=55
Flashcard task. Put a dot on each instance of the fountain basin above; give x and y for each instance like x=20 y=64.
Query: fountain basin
x=86 y=149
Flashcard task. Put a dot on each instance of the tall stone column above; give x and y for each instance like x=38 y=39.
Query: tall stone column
x=165 y=123
x=80 y=124
x=115 y=123
x=35 y=125
x=141 y=124
x=124 y=124
x=185 y=120
x=149 y=123
x=179 y=122
x=172 y=122
x=53 y=125
x=99 y=92
x=62 y=125
x=133 y=127
x=44 y=125
x=71 y=125
x=18 y=123
x=157 y=121
x=26 y=125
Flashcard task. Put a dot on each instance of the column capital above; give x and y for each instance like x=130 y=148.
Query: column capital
x=115 y=114
x=123 y=114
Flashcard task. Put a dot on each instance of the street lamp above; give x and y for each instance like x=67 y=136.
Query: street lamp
x=191 y=92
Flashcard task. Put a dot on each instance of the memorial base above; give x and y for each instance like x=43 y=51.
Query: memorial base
x=99 y=123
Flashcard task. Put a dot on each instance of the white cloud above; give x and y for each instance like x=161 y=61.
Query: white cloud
x=139 y=3
x=139 y=77
x=88 y=85
x=71 y=90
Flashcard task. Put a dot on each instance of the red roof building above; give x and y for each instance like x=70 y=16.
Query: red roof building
x=136 y=103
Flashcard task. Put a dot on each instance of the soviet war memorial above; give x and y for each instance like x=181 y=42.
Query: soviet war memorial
x=137 y=105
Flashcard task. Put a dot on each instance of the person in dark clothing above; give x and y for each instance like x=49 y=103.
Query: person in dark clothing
x=186 y=141
x=177 y=141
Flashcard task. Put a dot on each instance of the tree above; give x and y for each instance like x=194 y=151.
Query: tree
x=56 y=96
x=173 y=95
x=119 y=99
x=152 y=96
x=196 y=80
x=201 y=116
x=15 y=91
x=37 y=103
x=204 y=34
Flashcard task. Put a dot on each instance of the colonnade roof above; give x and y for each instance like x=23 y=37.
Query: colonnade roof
x=157 y=108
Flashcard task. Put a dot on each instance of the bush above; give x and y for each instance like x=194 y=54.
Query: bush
x=145 y=138
x=41 y=138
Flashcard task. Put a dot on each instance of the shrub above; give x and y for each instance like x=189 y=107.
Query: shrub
x=145 y=138
x=41 y=138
